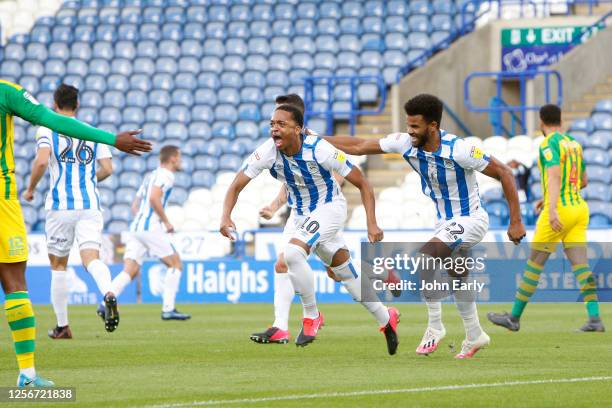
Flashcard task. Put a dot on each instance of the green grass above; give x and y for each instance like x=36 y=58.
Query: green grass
x=148 y=362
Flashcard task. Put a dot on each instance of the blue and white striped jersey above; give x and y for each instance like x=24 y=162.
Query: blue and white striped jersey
x=72 y=171
x=308 y=175
x=146 y=219
x=447 y=175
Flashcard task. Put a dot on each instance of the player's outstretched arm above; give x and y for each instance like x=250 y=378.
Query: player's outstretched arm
x=24 y=105
x=228 y=228
x=356 y=178
x=354 y=145
x=281 y=198
x=503 y=173
x=39 y=167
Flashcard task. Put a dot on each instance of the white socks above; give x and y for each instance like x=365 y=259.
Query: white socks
x=351 y=279
x=283 y=296
x=171 y=285
x=59 y=297
x=302 y=278
x=101 y=274
x=120 y=283
x=469 y=314
x=434 y=312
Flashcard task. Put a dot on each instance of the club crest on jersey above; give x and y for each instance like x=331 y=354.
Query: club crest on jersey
x=340 y=156
x=312 y=166
x=548 y=155
x=476 y=153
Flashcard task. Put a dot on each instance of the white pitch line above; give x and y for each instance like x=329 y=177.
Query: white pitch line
x=379 y=392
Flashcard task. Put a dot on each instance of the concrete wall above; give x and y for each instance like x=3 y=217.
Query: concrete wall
x=444 y=74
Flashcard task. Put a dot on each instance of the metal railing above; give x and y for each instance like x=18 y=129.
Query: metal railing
x=522 y=77
x=330 y=83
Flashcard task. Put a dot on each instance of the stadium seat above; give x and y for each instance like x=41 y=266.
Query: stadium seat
x=305 y=27
x=584 y=124
x=31 y=84
x=206 y=162
x=596 y=156
x=176 y=130
x=59 y=51
x=598 y=173
x=200 y=130
x=418 y=41
x=226 y=112
x=52 y=67
x=166 y=65
x=14 y=52
x=602 y=120
x=238 y=29
x=283 y=45
x=182 y=96
x=88 y=115
x=206 y=97
x=604 y=105
x=114 y=99
x=595 y=191
x=282 y=28
x=153 y=131
x=223 y=130
x=249 y=112
x=179 y=113
x=156 y=114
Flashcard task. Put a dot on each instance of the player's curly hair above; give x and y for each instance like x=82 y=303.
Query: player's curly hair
x=429 y=106
x=551 y=115
x=66 y=97
x=296 y=114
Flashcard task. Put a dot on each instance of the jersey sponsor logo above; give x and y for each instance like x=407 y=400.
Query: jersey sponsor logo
x=30 y=98
x=312 y=166
x=257 y=156
x=548 y=155
x=476 y=152
x=17 y=246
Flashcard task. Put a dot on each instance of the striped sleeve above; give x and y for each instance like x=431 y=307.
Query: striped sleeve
x=469 y=156
x=43 y=137
x=333 y=159
x=262 y=158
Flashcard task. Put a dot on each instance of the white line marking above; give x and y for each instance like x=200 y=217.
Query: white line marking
x=380 y=392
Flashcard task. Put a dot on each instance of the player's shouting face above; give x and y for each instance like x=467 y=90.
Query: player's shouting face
x=285 y=131
x=419 y=130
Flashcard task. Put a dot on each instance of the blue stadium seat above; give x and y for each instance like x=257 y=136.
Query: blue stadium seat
x=216 y=30
x=260 y=29
x=52 y=67
x=270 y=94
x=240 y=12
x=206 y=162
x=152 y=131
x=110 y=15
x=114 y=99
x=156 y=114
x=276 y=78
x=124 y=195
x=394 y=59
x=111 y=115
x=212 y=64
x=160 y=97
x=305 y=27
x=604 y=105
x=302 y=61
x=536 y=191
x=263 y=12
x=601 y=139
x=40 y=35
x=420 y=7
x=584 y=124
x=186 y=80
x=191 y=48
x=371 y=59
x=595 y=191
x=349 y=60
x=131 y=15
x=196 y=14
x=166 y=65
x=223 y=130
x=31 y=84
x=202 y=113
x=118 y=82
x=109 y=127
x=174 y=15
x=599 y=220
x=169 y=48
x=418 y=41
x=442 y=22
x=152 y=15
x=91 y=99
x=214 y=47
x=80 y=50
x=349 y=42
x=342 y=92
x=264 y=127
x=307 y=11
x=367 y=93
x=326 y=43
x=179 y=113
x=279 y=62
x=230 y=162
x=36 y=51
x=396 y=24
x=49 y=83
x=350 y=26
x=329 y=10
x=203 y=179
x=209 y=80
x=441 y=39
x=88 y=16
x=259 y=46
x=106 y=33
x=226 y=112
x=85 y=34
x=15 y=52
x=597 y=173
x=134 y=115
x=107 y=195
x=121 y=66
x=141 y=82
x=301 y=44
x=144 y=65
x=602 y=120
x=120 y=212
x=443 y=6
x=163 y=81
x=251 y=94
x=373 y=25
x=352 y=9
x=62 y=34
x=418 y=23
x=171 y=32
x=247 y=129
x=137 y=98
x=218 y=14
x=125 y=49
x=328 y=26
x=284 y=12
x=59 y=51
x=103 y=50
x=296 y=76
x=596 y=156
x=176 y=130
x=88 y=115
x=146 y=49
x=200 y=130
x=282 y=28
x=249 y=112
x=182 y=180
x=233 y=63
x=238 y=29
x=131 y=163
x=205 y=96
x=150 y=32
x=195 y=31
x=10 y=68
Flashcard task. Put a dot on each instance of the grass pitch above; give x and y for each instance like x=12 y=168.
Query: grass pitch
x=210 y=360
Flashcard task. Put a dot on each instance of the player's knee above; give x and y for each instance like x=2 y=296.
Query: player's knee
x=332 y=275
x=345 y=271
x=294 y=254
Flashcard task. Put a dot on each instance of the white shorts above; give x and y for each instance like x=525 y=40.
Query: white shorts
x=62 y=226
x=156 y=243
x=463 y=232
x=321 y=229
